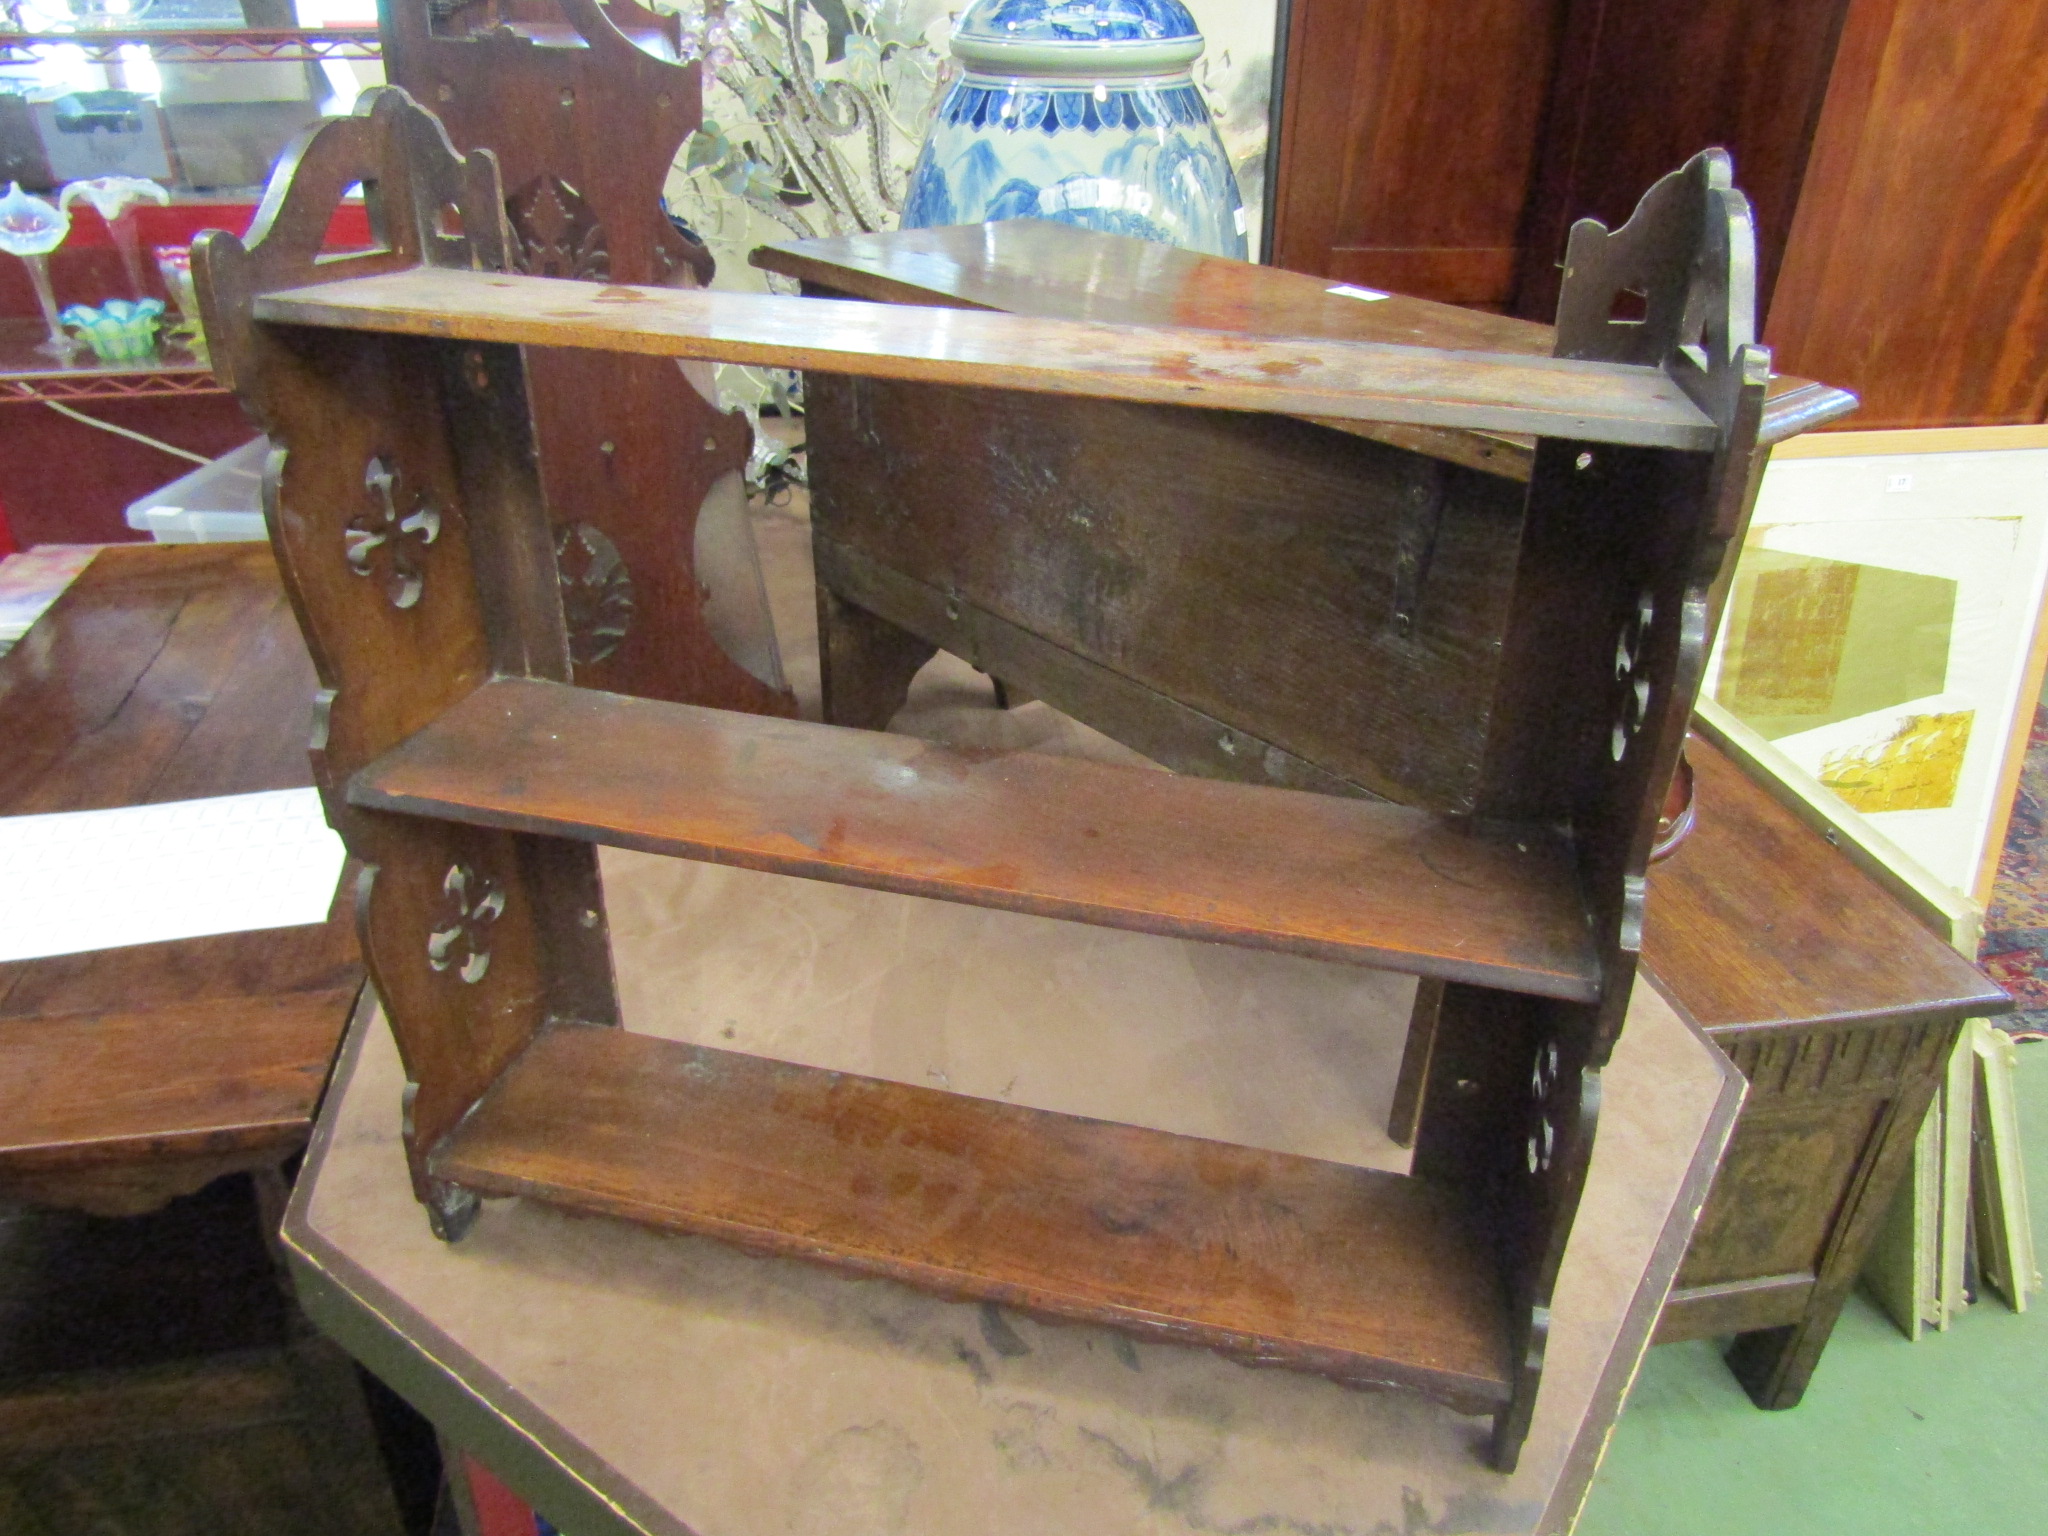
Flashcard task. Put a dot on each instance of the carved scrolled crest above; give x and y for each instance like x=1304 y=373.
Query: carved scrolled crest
x=426 y=204
x=1688 y=253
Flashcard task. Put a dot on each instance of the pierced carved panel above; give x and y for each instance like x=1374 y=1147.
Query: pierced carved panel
x=597 y=591
x=1632 y=685
x=461 y=940
x=555 y=234
x=1543 y=1081
x=388 y=541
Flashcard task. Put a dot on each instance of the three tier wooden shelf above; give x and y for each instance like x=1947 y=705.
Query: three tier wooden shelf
x=472 y=778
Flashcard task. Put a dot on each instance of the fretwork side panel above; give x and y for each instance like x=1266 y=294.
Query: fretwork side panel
x=1511 y=1110
x=402 y=510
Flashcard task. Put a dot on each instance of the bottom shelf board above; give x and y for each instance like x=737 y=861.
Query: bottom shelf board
x=1366 y=1277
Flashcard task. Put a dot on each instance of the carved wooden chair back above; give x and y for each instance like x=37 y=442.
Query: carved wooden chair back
x=585 y=105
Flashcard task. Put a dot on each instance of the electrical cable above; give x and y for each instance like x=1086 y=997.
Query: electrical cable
x=141 y=437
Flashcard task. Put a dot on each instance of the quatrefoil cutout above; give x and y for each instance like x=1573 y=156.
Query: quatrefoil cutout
x=1543 y=1081
x=387 y=542
x=1635 y=689
x=470 y=903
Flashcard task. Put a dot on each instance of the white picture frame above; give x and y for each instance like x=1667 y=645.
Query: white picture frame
x=1920 y=556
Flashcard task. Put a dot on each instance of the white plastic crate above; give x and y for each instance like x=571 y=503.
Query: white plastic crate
x=217 y=503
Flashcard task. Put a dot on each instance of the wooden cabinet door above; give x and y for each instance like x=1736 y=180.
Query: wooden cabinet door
x=1408 y=131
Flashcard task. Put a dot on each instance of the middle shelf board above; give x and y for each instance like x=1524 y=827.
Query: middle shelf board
x=1342 y=380
x=1368 y=1277
x=1330 y=877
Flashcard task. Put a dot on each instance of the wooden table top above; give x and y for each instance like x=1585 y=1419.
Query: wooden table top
x=1755 y=920
x=163 y=673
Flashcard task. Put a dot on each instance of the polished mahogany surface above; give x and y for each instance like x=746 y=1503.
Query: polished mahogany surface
x=1407 y=131
x=1321 y=875
x=1369 y=1277
x=1916 y=272
x=164 y=673
x=1347 y=380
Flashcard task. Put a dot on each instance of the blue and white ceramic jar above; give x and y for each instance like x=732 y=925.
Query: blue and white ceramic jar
x=1082 y=111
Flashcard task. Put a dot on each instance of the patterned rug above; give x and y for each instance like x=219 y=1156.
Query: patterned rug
x=2016 y=928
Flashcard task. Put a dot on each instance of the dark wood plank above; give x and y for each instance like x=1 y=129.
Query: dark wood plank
x=1596 y=402
x=213 y=1077
x=1736 y=1306
x=1363 y=1276
x=1034 y=267
x=216 y=1394
x=1310 y=598
x=1333 y=878
x=1756 y=919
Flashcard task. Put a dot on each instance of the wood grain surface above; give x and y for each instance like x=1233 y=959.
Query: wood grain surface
x=1916 y=273
x=1367 y=1277
x=1337 y=879
x=218 y=1076
x=1033 y=267
x=1406 y=137
x=165 y=672
x=1594 y=402
x=1755 y=919
x=1637 y=88
x=1313 y=598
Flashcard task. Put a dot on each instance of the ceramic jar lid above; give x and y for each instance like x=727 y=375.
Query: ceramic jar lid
x=1096 y=39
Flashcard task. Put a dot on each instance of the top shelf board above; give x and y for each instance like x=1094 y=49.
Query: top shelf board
x=1341 y=380
x=1055 y=271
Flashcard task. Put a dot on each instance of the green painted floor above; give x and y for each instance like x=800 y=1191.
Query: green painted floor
x=1893 y=1439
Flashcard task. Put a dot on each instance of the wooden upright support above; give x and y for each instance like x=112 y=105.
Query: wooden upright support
x=462 y=764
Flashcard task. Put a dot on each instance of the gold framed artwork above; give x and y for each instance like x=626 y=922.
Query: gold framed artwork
x=1883 y=629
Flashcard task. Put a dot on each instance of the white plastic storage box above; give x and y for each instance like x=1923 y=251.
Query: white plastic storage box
x=218 y=503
